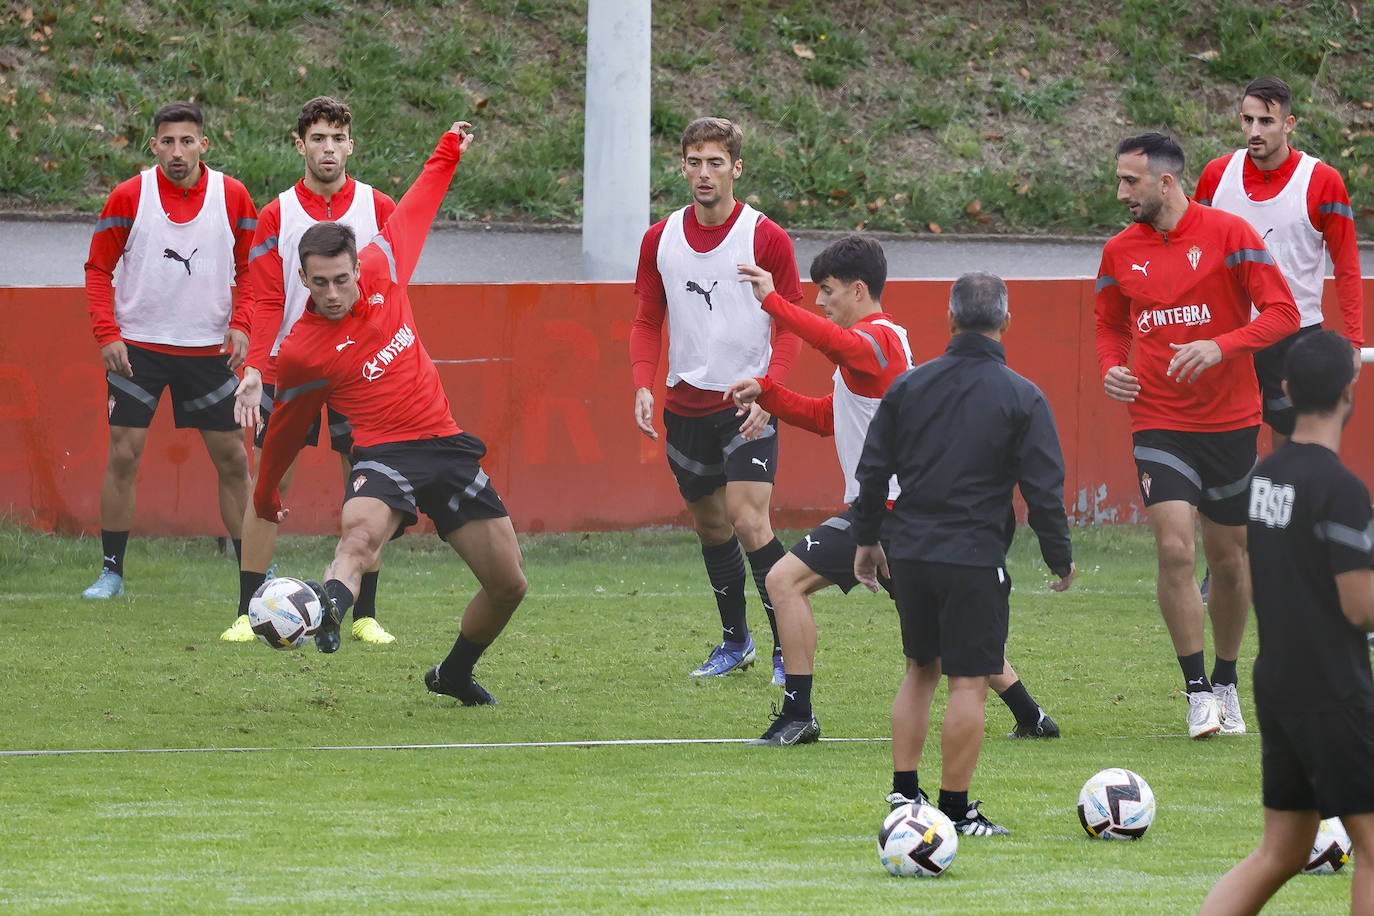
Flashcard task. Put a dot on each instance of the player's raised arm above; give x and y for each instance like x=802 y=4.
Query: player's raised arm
x=403 y=237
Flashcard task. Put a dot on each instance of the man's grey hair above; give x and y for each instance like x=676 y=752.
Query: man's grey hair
x=978 y=302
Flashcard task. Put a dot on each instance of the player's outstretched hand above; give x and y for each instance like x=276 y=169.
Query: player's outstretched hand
x=236 y=345
x=1063 y=584
x=744 y=393
x=1120 y=384
x=869 y=562
x=644 y=412
x=115 y=356
x=248 y=399
x=761 y=279
x=754 y=424
x=1192 y=358
x=461 y=128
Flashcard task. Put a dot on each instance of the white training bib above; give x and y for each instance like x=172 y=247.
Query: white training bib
x=175 y=280
x=717 y=331
x=853 y=414
x=361 y=218
x=1284 y=226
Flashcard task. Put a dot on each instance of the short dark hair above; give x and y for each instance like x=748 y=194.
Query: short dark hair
x=714 y=130
x=178 y=113
x=323 y=108
x=1271 y=91
x=978 y=301
x=327 y=240
x=1318 y=368
x=854 y=257
x=1161 y=151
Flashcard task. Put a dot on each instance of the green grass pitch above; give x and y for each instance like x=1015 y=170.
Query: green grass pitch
x=390 y=815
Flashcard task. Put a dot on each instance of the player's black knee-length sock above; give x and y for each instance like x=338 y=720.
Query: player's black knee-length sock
x=796 y=696
x=954 y=804
x=725 y=569
x=249 y=582
x=1022 y=706
x=112 y=546
x=1224 y=671
x=343 y=598
x=238 y=550
x=367 y=596
x=760 y=562
x=904 y=782
x=457 y=667
x=1194 y=672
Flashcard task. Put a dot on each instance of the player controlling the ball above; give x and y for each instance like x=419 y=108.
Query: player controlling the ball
x=356 y=347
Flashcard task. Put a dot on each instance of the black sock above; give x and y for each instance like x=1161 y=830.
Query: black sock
x=954 y=804
x=238 y=550
x=760 y=562
x=457 y=668
x=1022 y=706
x=249 y=582
x=113 y=545
x=796 y=696
x=904 y=782
x=367 y=596
x=725 y=569
x=1223 y=671
x=1194 y=672
x=343 y=598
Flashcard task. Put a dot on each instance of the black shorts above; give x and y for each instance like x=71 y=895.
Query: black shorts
x=828 y=550
x=1318 y=759
x=440 y=477
x=957 y=614
x=340 y=431
x=707 y=452
x=1208 y=470
x=1278 y=410
x=202 y=391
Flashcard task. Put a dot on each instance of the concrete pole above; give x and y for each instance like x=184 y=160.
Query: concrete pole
x=615 y=146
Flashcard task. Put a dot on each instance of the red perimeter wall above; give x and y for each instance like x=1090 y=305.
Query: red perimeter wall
x=540 y=372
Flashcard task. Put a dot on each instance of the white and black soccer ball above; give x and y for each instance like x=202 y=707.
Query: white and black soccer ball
x=1116 y=804
x=917 y=840
x=1330 y=850
x=284 y=612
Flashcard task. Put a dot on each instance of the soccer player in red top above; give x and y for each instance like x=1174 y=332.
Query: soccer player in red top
x=356 y=347
x=869 y=350
x=717 y=334
x=180 y=233
x=1178 y=285
x=1299 y=206
x=326 y=192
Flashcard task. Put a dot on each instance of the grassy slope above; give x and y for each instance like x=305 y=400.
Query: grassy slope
x=599 y=651
x=995 y=116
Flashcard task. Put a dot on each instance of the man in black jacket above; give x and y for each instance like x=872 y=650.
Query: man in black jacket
x=960 y=432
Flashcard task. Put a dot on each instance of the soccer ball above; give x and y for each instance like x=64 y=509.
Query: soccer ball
x=284 y=612
x=1330 y=850
x=917 y=840
x=1116 y=804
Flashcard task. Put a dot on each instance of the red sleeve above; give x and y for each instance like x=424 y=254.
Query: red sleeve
x=842 y=346
x=405 y=232
x=1329 y=208
x=1111 y=318
x=646 y=334
x=269 y=296
x=243 y=219
x=1263 y=282
x=815 y=414
x=107 y=246
x=383 y=206
x=774 y=253
x=299 y=399
x=1209 y=179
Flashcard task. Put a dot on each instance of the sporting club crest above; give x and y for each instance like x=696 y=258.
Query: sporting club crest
x=1144 y=485
x=1194 y=255
x=358 y=482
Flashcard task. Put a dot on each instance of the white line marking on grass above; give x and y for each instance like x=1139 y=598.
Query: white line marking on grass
x=616 y=742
